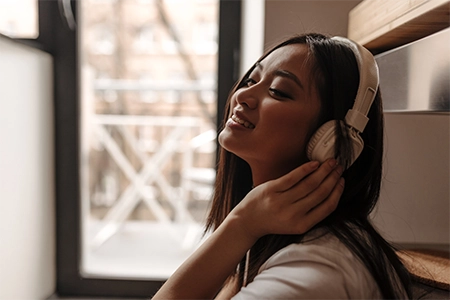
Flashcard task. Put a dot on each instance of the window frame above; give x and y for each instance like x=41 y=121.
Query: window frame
x=56 y=38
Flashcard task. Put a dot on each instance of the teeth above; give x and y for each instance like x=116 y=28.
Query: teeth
x=242 y=122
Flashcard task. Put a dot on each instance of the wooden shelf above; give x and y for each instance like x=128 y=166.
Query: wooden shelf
x=381 y=25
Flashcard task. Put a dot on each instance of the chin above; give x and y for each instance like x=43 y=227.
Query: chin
x=229 y=146
x=226 y=141
x=220 y=139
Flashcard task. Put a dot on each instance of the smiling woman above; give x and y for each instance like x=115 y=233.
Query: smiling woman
x=280 y=109
x=285 y=227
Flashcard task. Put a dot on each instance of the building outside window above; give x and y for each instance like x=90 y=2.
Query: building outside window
x=148 y=133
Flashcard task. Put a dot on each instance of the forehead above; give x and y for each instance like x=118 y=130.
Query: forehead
x=292 y=58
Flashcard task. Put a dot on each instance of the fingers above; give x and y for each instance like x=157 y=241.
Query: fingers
x=316 y=180
x=323 y=209
x=322 y=200
x=326 y=187
x=289 y=180
x=318 y=177
x=297 y=201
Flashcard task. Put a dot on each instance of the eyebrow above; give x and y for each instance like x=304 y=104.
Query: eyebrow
x=283 y=73
x=289 y=75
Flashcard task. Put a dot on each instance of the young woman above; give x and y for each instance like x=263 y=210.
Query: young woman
x=286 y=227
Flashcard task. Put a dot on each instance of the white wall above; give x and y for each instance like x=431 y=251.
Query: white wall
x=287 y=17
x=27 y=230
x=267 y=22
x=415 y=199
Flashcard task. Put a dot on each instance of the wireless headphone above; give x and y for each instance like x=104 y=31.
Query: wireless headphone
x=322 y=144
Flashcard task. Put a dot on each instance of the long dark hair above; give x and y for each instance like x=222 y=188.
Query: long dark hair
x=336 y=78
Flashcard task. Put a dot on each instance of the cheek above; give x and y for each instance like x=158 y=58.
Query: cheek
x=285 y=135
x=292 y=123
x=293 y=131
x=296 y=133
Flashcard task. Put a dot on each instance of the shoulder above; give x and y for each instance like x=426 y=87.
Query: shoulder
x=320 y=247
x=320 y=267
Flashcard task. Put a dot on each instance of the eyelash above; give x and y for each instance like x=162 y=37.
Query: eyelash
x=278 y=93
x=274 y=92
x=248 y=81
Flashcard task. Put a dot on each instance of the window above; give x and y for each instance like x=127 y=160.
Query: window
x=141 y=215
x=139 y=129
x=168 y=44
x=19 y=18
x=103 y=94
x=209 y=81
x=122 y=140
x=103 y=40
x=147 y=94
x=205 y=37
x=104 y=1
x=145 y=40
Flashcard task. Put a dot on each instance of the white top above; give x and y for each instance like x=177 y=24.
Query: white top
x=317 y=268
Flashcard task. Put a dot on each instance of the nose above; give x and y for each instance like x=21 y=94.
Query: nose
x=248 y=96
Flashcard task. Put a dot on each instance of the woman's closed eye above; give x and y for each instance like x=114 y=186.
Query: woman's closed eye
x=279 y=94
x=276 y=93
x=249 y=82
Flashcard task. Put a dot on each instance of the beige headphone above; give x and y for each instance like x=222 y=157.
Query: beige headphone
x=321 y=146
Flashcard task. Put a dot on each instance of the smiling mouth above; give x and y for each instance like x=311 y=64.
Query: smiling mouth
x=246 y=124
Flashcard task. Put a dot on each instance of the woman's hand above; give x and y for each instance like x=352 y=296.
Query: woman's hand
x=293 y=203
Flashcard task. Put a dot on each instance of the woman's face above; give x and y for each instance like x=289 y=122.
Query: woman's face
x=273 y=115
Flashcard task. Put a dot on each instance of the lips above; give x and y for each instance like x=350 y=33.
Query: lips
x=243 y=122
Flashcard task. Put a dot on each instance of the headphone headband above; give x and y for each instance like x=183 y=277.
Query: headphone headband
x=322 y=143
x=368 y=84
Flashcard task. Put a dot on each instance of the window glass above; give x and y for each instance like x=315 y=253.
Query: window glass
x=145 y=39
x=205 y=37
x=19 y=18
x=148 y=103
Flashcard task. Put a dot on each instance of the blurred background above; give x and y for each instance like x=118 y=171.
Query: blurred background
x=109 y=111
x=148 y=80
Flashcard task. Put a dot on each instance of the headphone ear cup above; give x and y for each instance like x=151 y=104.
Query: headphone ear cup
x=321 y=144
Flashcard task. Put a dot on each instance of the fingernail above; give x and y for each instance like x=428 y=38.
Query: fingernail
x=332 y=162
x=314 y=164
x=339 y=170
x=342 y=182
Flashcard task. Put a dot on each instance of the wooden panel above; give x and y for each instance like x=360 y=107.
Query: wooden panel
x=381 y=25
